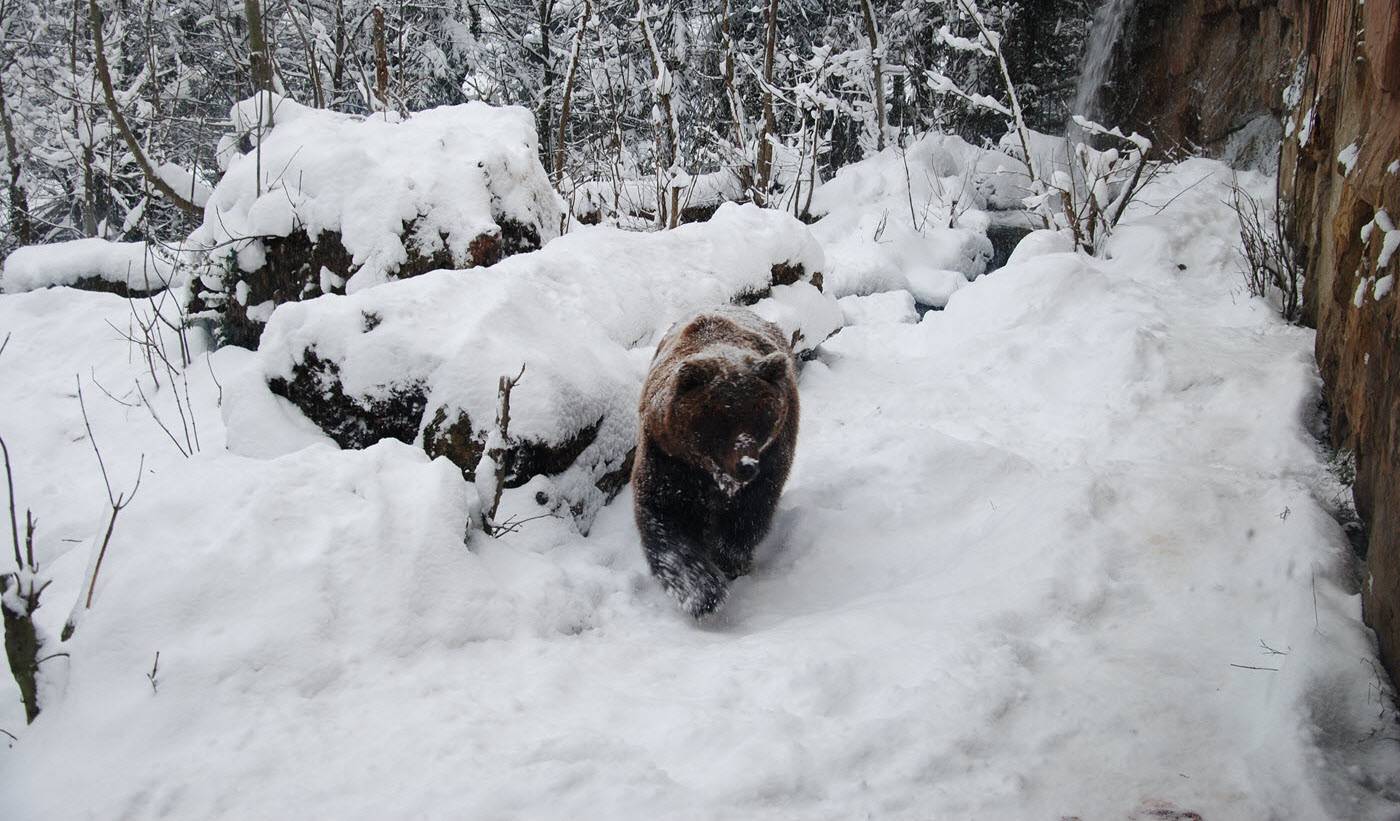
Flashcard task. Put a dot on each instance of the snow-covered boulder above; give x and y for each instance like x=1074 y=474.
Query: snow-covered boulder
x=420 y=360
x=130 y=269
x=1041 y=242
x=314 y=202
x=884 y=308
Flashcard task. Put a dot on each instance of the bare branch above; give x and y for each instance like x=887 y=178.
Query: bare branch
x=104 y=73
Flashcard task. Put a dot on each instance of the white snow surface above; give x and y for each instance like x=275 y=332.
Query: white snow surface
x=450 y=171
x=137 y=265
x=878 y=309
x=1025 y=543
x=890 y=215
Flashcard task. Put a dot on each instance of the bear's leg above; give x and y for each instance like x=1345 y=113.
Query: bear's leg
x=683 y=567
x=744 y=525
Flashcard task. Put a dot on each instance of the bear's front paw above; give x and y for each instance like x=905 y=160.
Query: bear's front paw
x=696 y=583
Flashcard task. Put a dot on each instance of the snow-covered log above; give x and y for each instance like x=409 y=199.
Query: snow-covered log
x=130 y=269
x=420 y=360
x=699 y=197
x=314 y=202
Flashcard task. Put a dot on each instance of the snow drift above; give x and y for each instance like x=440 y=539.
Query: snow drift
x=908 y=217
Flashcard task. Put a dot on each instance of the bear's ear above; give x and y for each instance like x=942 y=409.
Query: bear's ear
x=691 y=375
x=772 y=368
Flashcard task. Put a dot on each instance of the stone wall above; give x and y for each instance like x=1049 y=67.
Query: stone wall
x=1347 y=93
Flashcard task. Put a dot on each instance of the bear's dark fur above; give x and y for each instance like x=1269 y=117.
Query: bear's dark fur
x=719 y=419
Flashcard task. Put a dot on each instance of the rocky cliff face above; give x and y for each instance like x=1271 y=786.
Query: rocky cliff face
x=1208 y=73
x=1341 y=170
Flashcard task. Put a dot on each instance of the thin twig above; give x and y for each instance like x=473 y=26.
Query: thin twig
x=14 y=519
x=93 y=440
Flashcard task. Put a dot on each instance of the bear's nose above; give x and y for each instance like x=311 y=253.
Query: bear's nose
x=746 y=471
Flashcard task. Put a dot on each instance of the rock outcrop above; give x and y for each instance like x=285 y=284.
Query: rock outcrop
x=1341 y=171
x=1205 y=75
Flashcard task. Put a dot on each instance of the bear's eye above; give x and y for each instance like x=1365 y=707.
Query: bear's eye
x=691 y=376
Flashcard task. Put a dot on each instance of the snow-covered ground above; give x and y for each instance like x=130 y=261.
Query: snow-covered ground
x=1064 y=549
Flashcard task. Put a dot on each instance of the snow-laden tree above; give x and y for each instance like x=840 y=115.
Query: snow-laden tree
x=637 y=102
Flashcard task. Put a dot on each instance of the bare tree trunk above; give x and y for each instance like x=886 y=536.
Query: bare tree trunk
x=545 y=110
x=313 y=70
x=1018 y=117
x=561 y=139
x=88 y=207
x=764 y=164
x=104 y=73
x=381 y=59
x=259 y=60
x=338 y=71
x=20 y=223
x=661 y=87
x=873 y=34
x=731 y=95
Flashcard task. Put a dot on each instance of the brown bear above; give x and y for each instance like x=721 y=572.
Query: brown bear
x=718 y=430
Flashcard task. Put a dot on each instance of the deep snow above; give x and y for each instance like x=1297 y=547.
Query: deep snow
x=1026 y=541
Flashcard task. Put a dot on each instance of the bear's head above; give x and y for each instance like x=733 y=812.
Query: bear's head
x=727 y=407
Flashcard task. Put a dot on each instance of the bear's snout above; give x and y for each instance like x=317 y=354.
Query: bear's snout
x=734 y=473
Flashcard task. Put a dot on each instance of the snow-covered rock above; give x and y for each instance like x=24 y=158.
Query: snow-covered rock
x=315 y=202
x=420 y=360
x=933 y=287
x=1041 y=242
x=887 y=307
x=92 y=264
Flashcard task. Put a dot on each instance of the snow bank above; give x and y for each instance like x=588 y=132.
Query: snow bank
x=125 y=268
x=919 y=209
x=420 y=360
